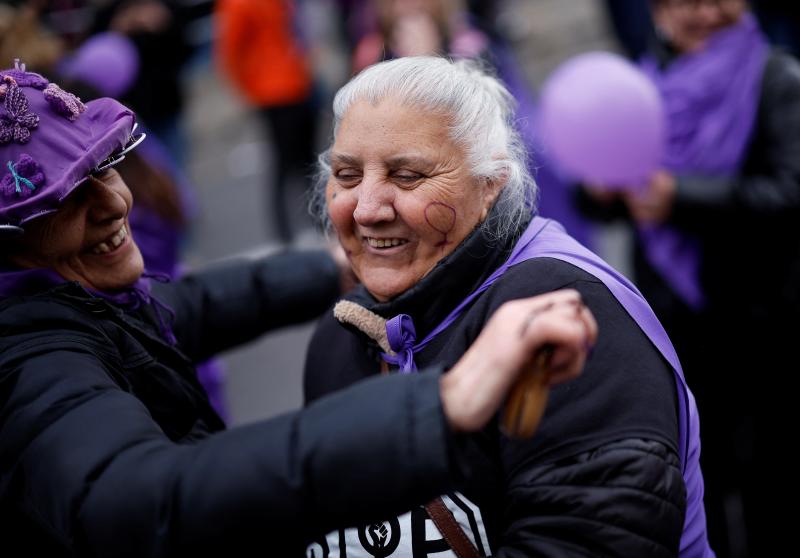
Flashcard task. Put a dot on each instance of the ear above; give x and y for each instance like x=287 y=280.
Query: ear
x=491 y=190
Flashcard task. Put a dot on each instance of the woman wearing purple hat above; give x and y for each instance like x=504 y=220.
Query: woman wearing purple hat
x=108 y=444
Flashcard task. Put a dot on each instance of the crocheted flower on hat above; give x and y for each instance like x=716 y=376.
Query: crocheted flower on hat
x=22 y=177
x=65 y=103
x=17 y=121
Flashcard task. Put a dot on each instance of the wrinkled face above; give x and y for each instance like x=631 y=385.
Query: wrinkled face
x=689 y=23
x=400 y=194
x=88 y=239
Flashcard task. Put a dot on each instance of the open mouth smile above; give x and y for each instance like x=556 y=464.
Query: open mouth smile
x=385 y=242
x=111 y=243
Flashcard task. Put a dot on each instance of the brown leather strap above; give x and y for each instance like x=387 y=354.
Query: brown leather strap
x=452 y=532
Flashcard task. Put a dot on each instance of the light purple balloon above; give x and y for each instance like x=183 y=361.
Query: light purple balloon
x=109 y=62
x=602 y=121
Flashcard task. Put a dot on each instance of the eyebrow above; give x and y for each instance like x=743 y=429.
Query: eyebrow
x=409 y=160
x=394 y=161
x=344 y=159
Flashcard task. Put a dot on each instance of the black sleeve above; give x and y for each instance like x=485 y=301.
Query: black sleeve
x=230 y=304
x=84 y=461
x=601 y=475
x=769 y=183
x=625 y=498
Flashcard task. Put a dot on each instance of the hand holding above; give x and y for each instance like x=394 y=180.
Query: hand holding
x=510 y=345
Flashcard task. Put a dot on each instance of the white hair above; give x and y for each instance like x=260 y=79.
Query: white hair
x=481 y=113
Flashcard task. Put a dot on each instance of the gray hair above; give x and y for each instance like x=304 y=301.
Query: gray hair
x=481 y=111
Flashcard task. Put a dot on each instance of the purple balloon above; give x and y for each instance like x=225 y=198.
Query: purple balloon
x=109 y=62
x=602 y=121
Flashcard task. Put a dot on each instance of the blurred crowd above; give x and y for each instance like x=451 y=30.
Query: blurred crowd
x=743 y=240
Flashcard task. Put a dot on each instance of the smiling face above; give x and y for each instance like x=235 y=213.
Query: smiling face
x=400 y=194
x=88 y=239
x=688 y=24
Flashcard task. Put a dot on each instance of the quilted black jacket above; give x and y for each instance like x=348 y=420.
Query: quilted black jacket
x=108 y=445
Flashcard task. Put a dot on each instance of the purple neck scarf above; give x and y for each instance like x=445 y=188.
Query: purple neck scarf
x=710 y=98
x=547 y=239
x=16 y=282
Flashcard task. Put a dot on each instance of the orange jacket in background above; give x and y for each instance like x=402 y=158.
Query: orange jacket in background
x=255 y=47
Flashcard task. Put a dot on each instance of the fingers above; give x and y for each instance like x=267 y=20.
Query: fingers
x=560 y=330
x=511 y=344
x=566 y=325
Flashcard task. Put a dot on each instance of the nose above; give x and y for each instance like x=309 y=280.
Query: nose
x=105 y=203
x=375 y=202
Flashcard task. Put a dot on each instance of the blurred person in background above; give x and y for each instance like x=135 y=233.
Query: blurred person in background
x=258 y=47
x=23 y=34
x=718 y=250
x=158 y=30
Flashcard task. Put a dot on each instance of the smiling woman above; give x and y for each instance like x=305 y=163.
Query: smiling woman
x=88 y=239
x=108 y=444
x=404 y=194
x=427 y=190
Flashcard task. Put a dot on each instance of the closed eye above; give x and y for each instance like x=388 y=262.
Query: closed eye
x=347 y=178
x=407 y=179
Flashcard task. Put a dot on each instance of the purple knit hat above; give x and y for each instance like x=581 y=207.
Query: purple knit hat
x=50 y=142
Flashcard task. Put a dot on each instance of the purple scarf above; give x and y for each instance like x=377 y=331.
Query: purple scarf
x=710 y=99
x=546 y=238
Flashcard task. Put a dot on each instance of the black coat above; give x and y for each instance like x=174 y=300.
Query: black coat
x=108 y=445
x=601 y=476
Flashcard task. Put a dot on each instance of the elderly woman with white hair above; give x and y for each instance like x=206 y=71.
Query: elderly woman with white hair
x=426 y=186
x=108 y=443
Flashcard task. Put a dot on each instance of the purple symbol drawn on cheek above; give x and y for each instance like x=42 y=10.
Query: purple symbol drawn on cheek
x=442 y=218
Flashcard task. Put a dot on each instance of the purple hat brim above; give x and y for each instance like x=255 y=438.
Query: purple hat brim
x=69 y=155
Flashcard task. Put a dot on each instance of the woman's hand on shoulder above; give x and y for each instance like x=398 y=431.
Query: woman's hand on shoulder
x=510 y=344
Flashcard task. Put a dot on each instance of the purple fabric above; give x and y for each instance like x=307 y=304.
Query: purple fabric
x=66 y=145
x=710 y=98
x=158 y=239
x=108 y=61
x=547 y=238
x=557 y=203
x=402 y=335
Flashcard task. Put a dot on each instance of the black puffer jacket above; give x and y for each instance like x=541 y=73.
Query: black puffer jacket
x=601 y=476
x=108 y=445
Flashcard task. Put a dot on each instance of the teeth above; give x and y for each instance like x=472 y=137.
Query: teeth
x=117 y=239
x=112 y=243
x=385 y=242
